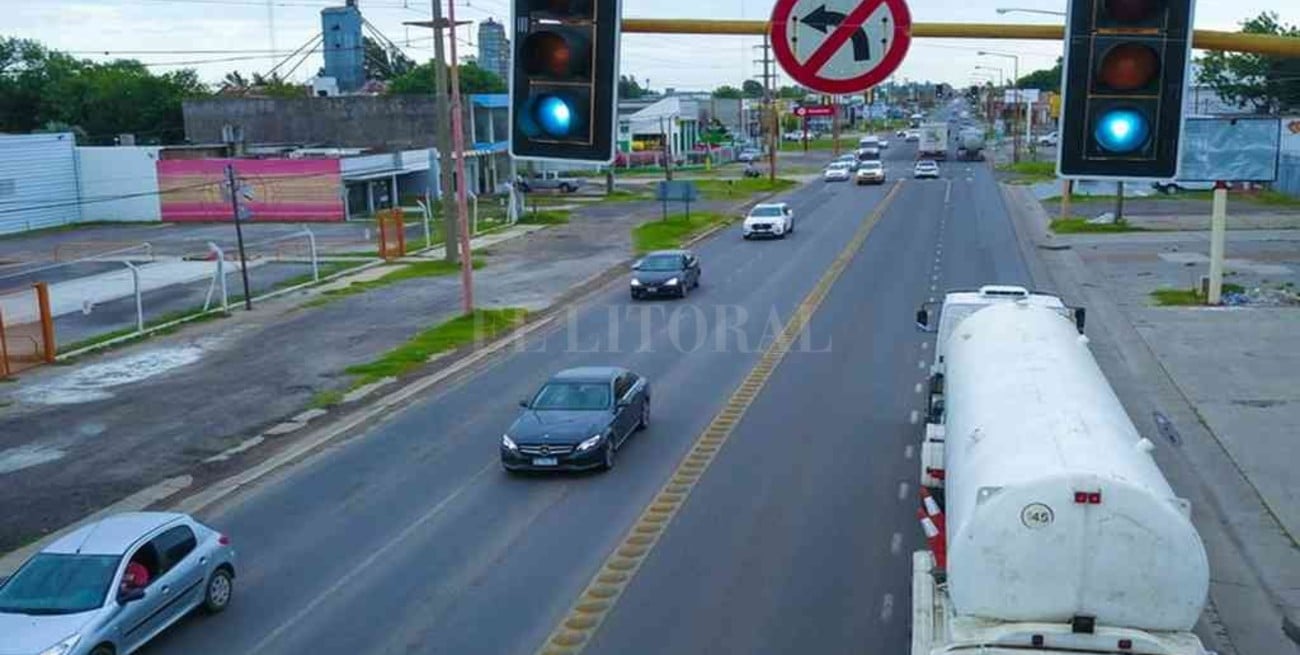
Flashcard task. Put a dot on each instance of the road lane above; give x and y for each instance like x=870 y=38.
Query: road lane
x=407 y=539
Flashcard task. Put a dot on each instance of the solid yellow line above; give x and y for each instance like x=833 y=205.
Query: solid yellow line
x=1264 y=44
x=588 y=612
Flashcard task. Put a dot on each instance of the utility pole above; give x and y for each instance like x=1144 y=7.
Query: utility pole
x=668 y=151
x=233 y=184
x=769 y=106
x=458 y=143
x=441 y=137
x=835 y=125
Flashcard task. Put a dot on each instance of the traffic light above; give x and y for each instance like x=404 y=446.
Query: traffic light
x=564 y=79
x=1123 y=81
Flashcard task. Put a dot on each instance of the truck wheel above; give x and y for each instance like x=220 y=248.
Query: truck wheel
x=565 y=188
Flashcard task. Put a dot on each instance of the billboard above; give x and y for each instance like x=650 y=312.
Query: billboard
x=1241 y=149
x=193 y=190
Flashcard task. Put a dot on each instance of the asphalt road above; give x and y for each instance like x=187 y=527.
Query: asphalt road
x=410 y=539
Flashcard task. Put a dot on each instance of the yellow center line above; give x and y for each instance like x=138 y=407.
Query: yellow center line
x=588 y=612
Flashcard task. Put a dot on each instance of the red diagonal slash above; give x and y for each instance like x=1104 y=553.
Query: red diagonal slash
x=841 y=34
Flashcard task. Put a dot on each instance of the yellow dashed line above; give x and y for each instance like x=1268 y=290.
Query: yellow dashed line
x=594 y=603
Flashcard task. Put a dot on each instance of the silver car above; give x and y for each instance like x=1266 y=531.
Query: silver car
x=108 y=587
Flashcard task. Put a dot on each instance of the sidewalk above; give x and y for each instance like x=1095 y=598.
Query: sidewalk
x=1216 y=389
x=181 y=410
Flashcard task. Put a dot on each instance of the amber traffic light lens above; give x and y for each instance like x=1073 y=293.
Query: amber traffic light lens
x=1132 y=10
x=1128 y=67
x=547 y=54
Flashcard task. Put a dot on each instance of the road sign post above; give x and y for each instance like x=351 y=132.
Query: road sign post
x=840 y=46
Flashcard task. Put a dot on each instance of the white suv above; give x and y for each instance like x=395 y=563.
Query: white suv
x=774 y=219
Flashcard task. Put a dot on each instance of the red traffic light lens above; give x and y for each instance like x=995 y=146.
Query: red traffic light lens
x=1128 y=66
x=547 y=53
x=1131 y=10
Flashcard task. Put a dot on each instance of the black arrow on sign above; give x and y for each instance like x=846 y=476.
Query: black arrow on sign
x=821 y=20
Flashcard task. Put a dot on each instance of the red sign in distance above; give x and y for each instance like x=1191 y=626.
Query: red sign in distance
x=870 y=37
x=813 y=111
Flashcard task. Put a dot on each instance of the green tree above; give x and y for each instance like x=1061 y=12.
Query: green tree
x=419 y=80
x=1048 y=79
x=27 y=71
x=383 y=63
x=752 y=89
x=791 y=92
x=629 y=89
x=727 y=91
x=1263 y=84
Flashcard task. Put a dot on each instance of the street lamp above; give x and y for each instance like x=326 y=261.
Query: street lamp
x=1046 y=12
x=1015 y=115
x=995 y=69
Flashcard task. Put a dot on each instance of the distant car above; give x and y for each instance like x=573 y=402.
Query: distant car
x=1174 y=186
x=850 y=159
x=749 y=155
x=868 y=154
x=901 y=134
x=577 y=420
x=926 y=168
x=768 y=220
x=837 y=171
x=1049 y=139
x=884 y=143
x=870 y=172
x=665 y=273
x=548 y=182
x=912 y=136
x=112 y=585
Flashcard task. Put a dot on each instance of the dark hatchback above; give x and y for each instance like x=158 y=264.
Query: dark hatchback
x=665 y=273
x=577 y=420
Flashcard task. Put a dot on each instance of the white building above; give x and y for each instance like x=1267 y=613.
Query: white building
x=675 y=118
x=38 y=182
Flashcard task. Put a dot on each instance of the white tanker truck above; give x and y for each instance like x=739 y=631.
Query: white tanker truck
x=1060 y=533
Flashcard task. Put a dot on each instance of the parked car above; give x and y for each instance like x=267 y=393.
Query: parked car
x=112 y=585
x=774 y=219
x=548 y=181
x=871 y=172
x=1049 y=139
x=665 y=272
x=1174 y=186
x=837 y=171
x=577 y=420
x=749 y=155
x=926 y=168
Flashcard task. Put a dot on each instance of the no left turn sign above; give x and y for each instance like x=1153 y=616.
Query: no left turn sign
x=840 y=46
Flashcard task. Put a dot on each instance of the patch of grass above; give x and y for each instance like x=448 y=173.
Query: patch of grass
x=548 y=217
x=1082 y=226
x=432 y=268
x=673 y=231
x=740 y=188
x=1275 y=198
x=623 y=195
x=481 y=325
x=1188 y=297
x=1038 y=168
x=326 y=399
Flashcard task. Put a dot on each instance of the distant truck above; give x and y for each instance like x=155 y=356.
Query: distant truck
x=1059 y=535
x=934 y=141
x=548 y=181
x=970 y=144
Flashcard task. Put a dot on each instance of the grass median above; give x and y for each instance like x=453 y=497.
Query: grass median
x=1188 y=297
x=1082 y=226
x=480 y=325
x=741 y=187
x=545 y=217
x=432 y=268
x=673 y=231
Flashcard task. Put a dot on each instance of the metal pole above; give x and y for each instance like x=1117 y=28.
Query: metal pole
x=311 y=245
x=139 y=298
x=47 y=321
x=1119 y=202
x=1015 y=133
x=239 y=233
x=441 y=137
x=835 y=125
x=1067 y=190
x=458 y=143
x=769 y=100
x=1218 y=232
x=4 y=349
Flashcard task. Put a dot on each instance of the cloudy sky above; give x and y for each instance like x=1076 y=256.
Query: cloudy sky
x=217 y=36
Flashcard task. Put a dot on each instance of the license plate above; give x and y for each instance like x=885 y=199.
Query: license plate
x=544 y=461
x=652 y=289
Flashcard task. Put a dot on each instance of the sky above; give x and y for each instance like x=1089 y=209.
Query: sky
x=218 y=36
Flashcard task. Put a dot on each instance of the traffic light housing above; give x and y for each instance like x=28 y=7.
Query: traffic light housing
x=1123 y=80
x=564 y=79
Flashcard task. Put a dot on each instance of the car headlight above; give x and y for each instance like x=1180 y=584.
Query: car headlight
x=63 y=646
x=636 y=282
x=508 y=442
x=672 y=282
x=591 y=443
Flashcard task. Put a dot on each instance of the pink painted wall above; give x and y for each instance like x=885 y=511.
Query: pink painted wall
x=283 y=189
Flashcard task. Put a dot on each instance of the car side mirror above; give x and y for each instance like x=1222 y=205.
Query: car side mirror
x=923 y=319
x=1080 y=317
x=636 y=266
x=524 y=403
x=130 y=595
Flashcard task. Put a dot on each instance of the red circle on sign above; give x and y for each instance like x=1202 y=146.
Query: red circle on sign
x=800 y=111
x=801 y=73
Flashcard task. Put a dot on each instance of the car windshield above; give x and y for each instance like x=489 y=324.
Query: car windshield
x=926 y=164
x=59 y=584
x=661 y=263
x=769 y=211
x=839 y=165
x=573 y=396
x=872 y=166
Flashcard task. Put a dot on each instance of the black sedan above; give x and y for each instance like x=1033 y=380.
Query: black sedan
x=665 y=273
x=577 y=420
